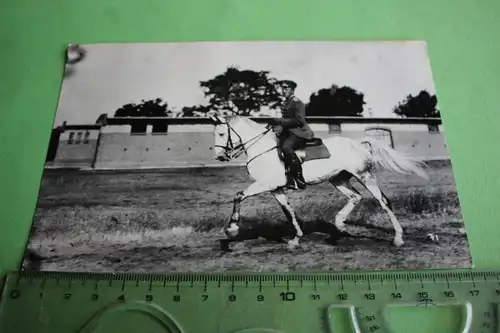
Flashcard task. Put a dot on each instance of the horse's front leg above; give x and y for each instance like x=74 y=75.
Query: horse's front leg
x=231 y=228
x=281 y=197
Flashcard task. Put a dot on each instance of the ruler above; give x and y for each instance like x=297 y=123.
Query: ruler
x=460 y=301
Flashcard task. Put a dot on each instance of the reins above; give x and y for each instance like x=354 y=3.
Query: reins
x=232 y=151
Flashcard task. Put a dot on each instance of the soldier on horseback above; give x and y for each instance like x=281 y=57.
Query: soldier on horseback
x=293 y=135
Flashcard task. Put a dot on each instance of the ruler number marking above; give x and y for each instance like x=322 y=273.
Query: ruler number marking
x=67 y=296
x=204 y=298
x=370 y=296
x=474 y=292
x=449 y=294
x=423 y=295
x=315 y=297
x=396 y=295
x=94 y=297
x=288 y=296
x=260 y=298
x=343 y=296
x=177 y=298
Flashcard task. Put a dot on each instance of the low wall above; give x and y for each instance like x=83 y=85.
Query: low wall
x=76 y=148
x=185 y=149
x=190 y=144
x=122 y=150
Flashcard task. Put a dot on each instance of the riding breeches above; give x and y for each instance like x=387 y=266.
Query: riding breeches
x=289 y=142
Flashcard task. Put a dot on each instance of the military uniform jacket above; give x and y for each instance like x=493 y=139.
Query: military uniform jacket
x=294 y=119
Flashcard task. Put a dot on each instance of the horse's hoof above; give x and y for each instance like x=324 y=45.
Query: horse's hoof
x=232 y=230
x=226 y=250
x=292 y=244
x=398 y=242
x=341 y=229
x=224 y=246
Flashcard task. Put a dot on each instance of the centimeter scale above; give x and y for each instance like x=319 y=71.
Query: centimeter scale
x=461 y=301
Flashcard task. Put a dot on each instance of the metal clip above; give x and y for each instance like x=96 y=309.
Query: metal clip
x=74 y=54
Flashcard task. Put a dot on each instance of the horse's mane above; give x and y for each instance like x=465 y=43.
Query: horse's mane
x=254 y=125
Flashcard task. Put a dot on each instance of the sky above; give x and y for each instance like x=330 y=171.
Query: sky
x=112 y=75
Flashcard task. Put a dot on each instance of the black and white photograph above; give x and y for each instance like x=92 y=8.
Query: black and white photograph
x=247 y=157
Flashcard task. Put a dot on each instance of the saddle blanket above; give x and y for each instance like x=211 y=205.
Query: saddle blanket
x=313 y=153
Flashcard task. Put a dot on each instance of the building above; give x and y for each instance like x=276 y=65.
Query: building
x=136 y=143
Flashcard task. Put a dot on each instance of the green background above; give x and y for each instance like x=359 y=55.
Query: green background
x=463 y=42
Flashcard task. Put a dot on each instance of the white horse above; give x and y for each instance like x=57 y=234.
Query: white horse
x=349 y=158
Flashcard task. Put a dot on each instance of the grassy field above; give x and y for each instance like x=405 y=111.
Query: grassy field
x=160 y=221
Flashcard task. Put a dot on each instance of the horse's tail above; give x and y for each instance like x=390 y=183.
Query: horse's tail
x=392 y=160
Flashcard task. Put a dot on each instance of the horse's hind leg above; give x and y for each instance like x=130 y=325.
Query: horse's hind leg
x=368 y=180
x=354 y=197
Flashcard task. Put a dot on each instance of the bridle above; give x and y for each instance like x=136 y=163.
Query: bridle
x=234 y=151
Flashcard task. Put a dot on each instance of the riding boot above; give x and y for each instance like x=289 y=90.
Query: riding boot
x=295 y=180
x=296 y=169
x=290 y=181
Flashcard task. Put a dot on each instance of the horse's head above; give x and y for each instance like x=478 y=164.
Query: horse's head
x=225 y=138
x=234 y=136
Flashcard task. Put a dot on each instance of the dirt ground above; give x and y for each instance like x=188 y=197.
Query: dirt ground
x=170 y=221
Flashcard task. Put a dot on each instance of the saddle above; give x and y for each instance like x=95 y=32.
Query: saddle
x=313 y=149
x=313 y=142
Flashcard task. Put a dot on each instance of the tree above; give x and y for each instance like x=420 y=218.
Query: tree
x=421 y=105
x=150 y=108
x=195 y=111
x=242 y=92
x=102 y=119
x=336 y=102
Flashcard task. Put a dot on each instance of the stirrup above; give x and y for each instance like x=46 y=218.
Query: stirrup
x=291 y=183
x=300 y=184
x=293 y=186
